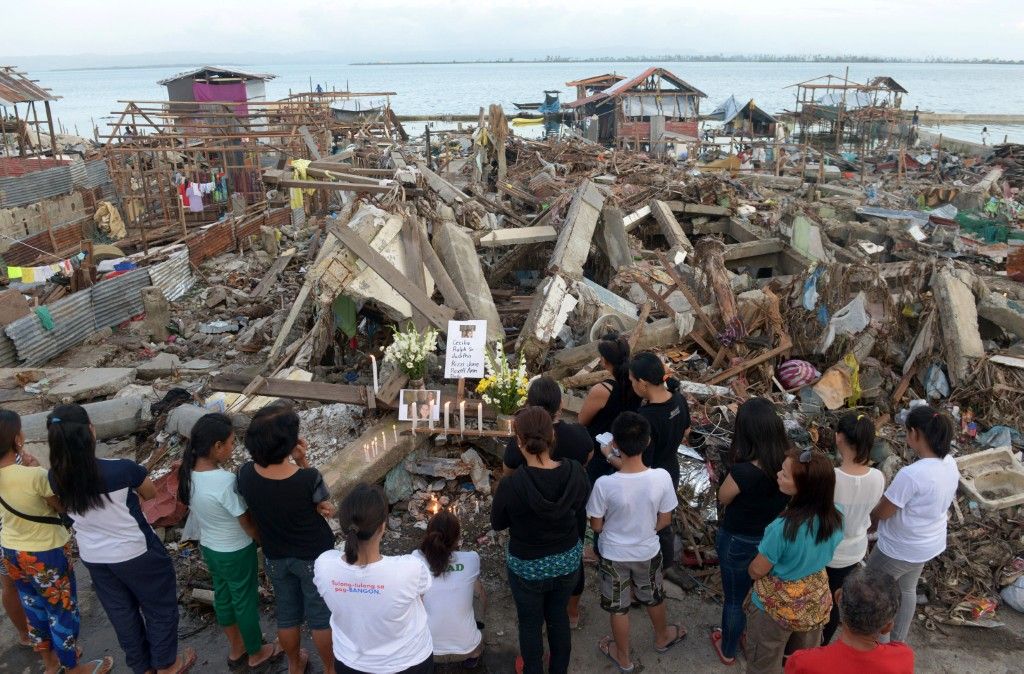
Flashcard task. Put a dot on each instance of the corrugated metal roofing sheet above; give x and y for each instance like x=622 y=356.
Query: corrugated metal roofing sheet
x=116 y=300
x=72 y=321
x=97 y=173
x=16 y=87
x=8 y=355
x=219 y=70
x=33 y=187
x=174 y=276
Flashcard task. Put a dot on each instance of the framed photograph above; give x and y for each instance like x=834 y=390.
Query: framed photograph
x=425 y=405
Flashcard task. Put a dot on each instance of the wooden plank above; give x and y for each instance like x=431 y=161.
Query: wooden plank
x=437 y=315
x=520 y=235
x=444 y=282
x=295 y=390
x=268 y=280
x=341 y=187
x=414 y=264
x=310 y=142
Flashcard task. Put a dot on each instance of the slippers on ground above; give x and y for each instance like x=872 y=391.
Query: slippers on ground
x=680 y=635
x=304 y=659
x=716 y=643
x=241 y=662
x=99 y=666
x=605 y=646
x=276 y=654
x=188 y=660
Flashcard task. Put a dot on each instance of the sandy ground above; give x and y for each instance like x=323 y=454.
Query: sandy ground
x=956 y=649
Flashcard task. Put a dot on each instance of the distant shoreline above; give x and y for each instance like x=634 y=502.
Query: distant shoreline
x=699 y=59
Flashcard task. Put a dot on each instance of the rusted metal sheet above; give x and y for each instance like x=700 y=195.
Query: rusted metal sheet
x=174 y=276
x=116 y=300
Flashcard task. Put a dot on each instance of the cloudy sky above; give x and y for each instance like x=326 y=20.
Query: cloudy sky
x=115 y=30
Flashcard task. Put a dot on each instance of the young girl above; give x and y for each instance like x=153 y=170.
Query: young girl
x=791 y=601
x=376 y=602
x=751 y=499
x=449 y=601
x=288 y=501
x=541 y=504
x=858 y=488
x=669 y=416
x=226 y=538
x=132 y=574
x=912 y=513
x=37 y=558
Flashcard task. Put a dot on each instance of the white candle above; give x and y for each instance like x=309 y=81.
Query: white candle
x=430 y=417
x=462 y=418
x=394 y=429
x=373 y=362
x=366 y=452
x=480 y=416
x=447 y=410
x=415 y=416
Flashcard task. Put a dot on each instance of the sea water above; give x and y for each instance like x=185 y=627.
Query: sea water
x=92 y=96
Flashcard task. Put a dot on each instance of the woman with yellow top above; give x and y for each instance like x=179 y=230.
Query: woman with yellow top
x=37 y=557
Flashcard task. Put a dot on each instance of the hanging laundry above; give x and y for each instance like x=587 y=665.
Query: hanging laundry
x=195 y=197
x=14 y=273
x=43 y=314
x=183 y=193
x=28 y=275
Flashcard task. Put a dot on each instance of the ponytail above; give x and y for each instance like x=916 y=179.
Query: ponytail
x=361 y=515
x=614 y=348
x=646 y=366
x=534 y=430
x=207 y=432
x=935 y=426
x=859 y=432
x=440 y=541
x=73 y=465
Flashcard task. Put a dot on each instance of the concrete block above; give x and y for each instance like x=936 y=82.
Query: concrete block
x=520 y=235
x=163 y=365
x=182 y=418
x=90 y=383
x=1006 y=313
x=351 y=465
x=455 y=248
x=573 y=246
x=111 y=419
x=958 y=316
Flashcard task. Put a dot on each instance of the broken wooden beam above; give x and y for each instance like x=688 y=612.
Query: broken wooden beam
x=270 y=277
x=293 y=390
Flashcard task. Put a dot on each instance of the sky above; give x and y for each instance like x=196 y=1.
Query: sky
x=141 y=32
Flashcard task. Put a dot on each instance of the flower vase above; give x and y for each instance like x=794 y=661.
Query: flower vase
x=417 y=384
x=504 y=422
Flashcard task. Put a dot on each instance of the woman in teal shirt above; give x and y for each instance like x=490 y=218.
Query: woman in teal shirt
x=791 y=599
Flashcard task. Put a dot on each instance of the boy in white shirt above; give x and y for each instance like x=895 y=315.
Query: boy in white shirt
x=628 y=508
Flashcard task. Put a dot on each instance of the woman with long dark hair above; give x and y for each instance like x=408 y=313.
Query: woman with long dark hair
x=376 y=601
x=541 y=504
x=131 y=572
x=912 y=514
x=226 y=539
x=36 y=556
x=791 y=600
x=606 y=400
x=858 y=488
x=750 y=499
x=449 y=601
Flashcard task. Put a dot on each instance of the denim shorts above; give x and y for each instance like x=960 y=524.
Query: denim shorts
x=295 y=597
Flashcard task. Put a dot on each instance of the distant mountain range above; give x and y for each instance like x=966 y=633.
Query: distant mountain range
x=711 y=58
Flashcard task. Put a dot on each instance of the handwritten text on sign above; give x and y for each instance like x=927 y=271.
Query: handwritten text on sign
x=464 y=355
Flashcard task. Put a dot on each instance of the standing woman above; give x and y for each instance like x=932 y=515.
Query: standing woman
x=750 y=499
x=858 y=488
x=912 y=514
x=791 y=601
x=131 y=572
x=669 y=416
x=449 y=601
x=540 y=504
x=376 y=601
x=226 y=539
x=37 y=557
x=605 y=401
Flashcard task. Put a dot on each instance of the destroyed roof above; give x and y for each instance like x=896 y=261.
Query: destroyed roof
x=218 y=71
x=730 y=108
x=596 y=79
x=830 y=81
x=16 y=87
x=886 y=82
x=628 y=86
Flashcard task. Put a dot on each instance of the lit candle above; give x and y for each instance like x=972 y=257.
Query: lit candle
x=462 y=418
x=480 y=416
x=447 y=410
x=394 y=429
x=509 y=422
x=476 y=502
x=373 y=363
x=366 y=452
x=383 y=440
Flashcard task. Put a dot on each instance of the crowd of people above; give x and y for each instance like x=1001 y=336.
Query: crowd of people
x=793 y=536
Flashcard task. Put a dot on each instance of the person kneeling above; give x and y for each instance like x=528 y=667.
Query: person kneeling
x=867 y=602
x=628 y=508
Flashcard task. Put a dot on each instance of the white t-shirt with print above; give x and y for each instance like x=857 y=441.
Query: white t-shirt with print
x=629 y=504
x=857 y=496
x=923 y=492
x=378 y=620
x=449 y=603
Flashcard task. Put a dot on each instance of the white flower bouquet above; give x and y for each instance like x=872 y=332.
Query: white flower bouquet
x=503 y=386
x=409 y=351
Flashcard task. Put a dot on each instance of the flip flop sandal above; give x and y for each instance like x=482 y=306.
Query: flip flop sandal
x=273 y=658
x=605 y=646
x=99 y=666
x=189 y=660
x=241 y=662
x=716 y=643
x=680 y=635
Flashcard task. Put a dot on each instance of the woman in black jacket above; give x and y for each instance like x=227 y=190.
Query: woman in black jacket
x=543 y=504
